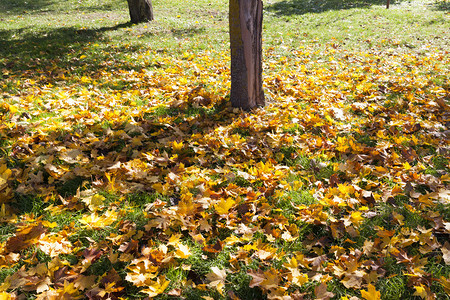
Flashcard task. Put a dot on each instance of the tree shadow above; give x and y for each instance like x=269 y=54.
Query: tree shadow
x=22 y=6
x=57 y=40
x=300 y=7
x=19 y=6
x=187 y=32
x=25 y=51
x=38 y=51
x=442 y=5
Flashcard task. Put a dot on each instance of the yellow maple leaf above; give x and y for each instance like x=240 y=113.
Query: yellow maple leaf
x=5 y=173
x=342 y=144
x=271 y=280
x=156 y=287
x=398 y=217
x=94 y=202
x=183 y=251
x=2 y=182
x=298 y=278
x=371 y=293
x=13 y=109
x=346 y=189
x=69 y=289
x=174 y=240
x=158 y=187
x=177 y=147
x=5 y=191
x=186 y=206
x=291 y=263
x=95 y=220
x=356 y=218
x=224 y=206
x=420 y=291
x=5 y=296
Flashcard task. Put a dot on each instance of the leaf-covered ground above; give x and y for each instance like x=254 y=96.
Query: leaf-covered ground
x=125 y=173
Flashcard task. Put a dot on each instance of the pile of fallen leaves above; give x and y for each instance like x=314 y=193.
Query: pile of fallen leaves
x=343 y=175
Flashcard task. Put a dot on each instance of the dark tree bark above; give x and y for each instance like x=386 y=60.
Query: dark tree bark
x=246 y=53
x=140 y=10
x=387 y=4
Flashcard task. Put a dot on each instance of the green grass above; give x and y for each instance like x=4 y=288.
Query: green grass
x=87 y=29
x=5 y=272
x=27 y=204
x=6 y=231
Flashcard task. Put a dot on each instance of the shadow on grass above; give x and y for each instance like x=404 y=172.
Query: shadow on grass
x=26 y=6
x=40 y=51
x=31 y=42
x=187 y=32
x=19 y=6
x=442 y=5
x=300 y=7
x=24 y=51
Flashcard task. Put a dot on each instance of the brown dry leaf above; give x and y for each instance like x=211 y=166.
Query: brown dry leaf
x=271 y=279
x=25 y=237
x=84 y=282
x=321 y=292
x=257 y=278
x=215 y=248
x=445 y=282
x=353 y=280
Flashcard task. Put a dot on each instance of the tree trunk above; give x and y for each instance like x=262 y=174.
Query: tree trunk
x=140 y=10
x=387 y=4
x=246 y=53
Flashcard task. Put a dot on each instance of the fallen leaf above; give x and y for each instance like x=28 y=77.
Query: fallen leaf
x=321 y=292
x=371 y=293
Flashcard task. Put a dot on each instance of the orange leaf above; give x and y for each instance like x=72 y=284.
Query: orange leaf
x=371 y=293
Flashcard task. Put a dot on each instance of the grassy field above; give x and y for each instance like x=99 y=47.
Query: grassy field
x=125 y=173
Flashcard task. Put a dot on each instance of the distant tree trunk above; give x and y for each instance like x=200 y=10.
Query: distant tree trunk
x=246 y=53
x=140 y=10
x=387 y=4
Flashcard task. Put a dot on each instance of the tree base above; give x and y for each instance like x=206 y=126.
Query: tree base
x=140 y=11
x=246 y=53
